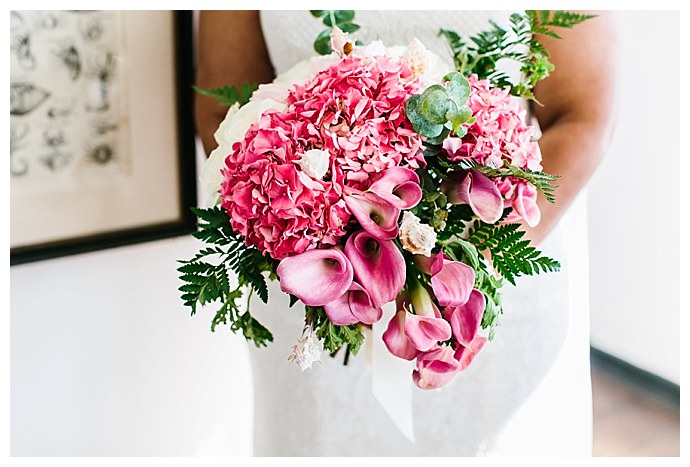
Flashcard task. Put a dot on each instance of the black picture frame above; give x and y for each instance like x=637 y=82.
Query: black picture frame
x=185 y=160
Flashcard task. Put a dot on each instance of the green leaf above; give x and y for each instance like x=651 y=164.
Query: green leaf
x=206 y=278
x=318 y=13
x=340 y=16
x=434 y=105
x=322 y=42
x=349 y=27
x=420 y=124
x=458 y=88
x=510 y=254
x=229 y=95
x=334 y=337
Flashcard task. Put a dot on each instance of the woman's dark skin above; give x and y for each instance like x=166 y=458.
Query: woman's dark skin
x=576 y=115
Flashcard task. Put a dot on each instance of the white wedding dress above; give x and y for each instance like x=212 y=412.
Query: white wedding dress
x=528 y=391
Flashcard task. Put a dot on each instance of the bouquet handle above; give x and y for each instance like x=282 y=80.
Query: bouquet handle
x=391 y=381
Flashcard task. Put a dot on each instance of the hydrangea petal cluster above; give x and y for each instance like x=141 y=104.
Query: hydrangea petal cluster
x=499 y=132
x=353 y=110
x=271 y=202
x=500 y=135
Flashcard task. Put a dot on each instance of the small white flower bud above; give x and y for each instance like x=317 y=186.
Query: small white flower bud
x=315 y=163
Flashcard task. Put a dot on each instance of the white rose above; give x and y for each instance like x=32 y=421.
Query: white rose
x=373 y=49
x=233 y=129
x=417 y=238
x=306 y=69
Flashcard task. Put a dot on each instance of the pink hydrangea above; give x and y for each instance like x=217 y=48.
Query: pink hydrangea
x=498 y=135
x=354 y=110
x=499 y=132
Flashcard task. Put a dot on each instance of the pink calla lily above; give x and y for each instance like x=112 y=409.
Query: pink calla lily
x=451 y=281
x=376 y=215
x=425 y=332
x=525 y=204
x=426 y=327
x=316 y=277
x=396 y=340
x=436 y=368
x=465 y=319
x=476 y=189
x=354 y=306
x=465 y=354
x=399 y=186
x=378 y=266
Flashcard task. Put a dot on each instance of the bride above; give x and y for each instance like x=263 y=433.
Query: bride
x=528 y=392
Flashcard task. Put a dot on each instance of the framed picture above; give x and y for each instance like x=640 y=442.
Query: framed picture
x=102 y=146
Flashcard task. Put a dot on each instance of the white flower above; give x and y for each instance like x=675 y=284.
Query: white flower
x=339 y=42
x=373 y=49
x=233 y=129
x=424 y=63
x=315 y=163
x=306 y=350
x=417 y=238
x=306 y=69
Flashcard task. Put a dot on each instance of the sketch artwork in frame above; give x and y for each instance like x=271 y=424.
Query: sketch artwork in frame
x=102 y=148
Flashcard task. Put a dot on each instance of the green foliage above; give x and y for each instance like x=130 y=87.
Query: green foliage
x=480 y=54
x=229 y=95
x=541 y=180
x=334 y=337
x=206 y=280
x=341 y=18
x=511 y=255
x=440 y=109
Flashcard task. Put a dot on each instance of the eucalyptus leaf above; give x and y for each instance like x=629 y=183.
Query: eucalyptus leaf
x=341 y=16
x=322 y=42
x=434 y=105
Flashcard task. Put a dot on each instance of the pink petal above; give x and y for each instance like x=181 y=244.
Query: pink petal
x=361 y=306
x=354 y=306
x=525 y=203
x=429 y=265
x=339 y=311
x=395 y=339
x=316 y=277
x=453 y=284
x=376 y=215
x=399 y=186
x=378 y=266
x=436 y=368
x=477 y=190
x=425 y=332
x=465 y=355
x=466 y=319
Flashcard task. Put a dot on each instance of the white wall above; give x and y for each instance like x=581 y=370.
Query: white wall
x=634 y=205
x=105 y=360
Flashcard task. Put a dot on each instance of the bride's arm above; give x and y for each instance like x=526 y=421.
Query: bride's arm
x=578 y=110
x=230 y=51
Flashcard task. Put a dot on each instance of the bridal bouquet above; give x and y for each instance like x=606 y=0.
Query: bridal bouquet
x=376 y=174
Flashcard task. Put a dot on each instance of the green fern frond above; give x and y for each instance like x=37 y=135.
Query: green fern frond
x=206 y=276
x=510 y=254
x=229 y=95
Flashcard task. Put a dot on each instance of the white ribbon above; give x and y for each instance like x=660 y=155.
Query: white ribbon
x=391 y=377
